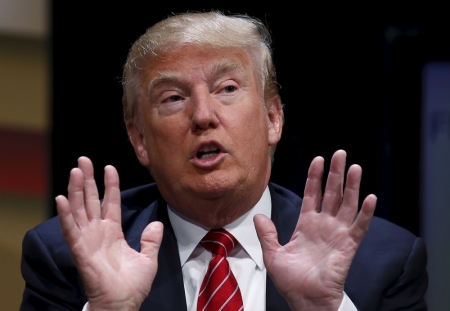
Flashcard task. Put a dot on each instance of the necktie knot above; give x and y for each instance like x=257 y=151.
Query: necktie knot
x=219 y=290
x=219 y=242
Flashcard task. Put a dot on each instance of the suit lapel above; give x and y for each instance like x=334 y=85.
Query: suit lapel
x=284 y=216
x=167 y=292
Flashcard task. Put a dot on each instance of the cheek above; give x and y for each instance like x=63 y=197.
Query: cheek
x=166 y=128
x=157 y=145
x=256 y=123
x=251 y=132
x=247 y=112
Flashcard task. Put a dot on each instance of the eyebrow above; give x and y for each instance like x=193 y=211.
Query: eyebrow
x=225 y=66
x=221 y=67
x=163 y=77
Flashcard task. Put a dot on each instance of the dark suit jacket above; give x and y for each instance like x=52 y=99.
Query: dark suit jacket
x=388 y=272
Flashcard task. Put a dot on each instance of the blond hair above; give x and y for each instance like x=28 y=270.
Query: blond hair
x=210 y=28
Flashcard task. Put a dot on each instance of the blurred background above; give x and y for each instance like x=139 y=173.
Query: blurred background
x=25 y=94
x=371 y=79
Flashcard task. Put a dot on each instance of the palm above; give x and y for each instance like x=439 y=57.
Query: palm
x=316 y=258
x=109 y=260
x=311 y=269
x=115 y=275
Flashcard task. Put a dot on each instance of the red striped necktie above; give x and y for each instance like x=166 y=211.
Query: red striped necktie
x=219 y=290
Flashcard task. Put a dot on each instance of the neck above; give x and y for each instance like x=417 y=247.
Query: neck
x=224 y=206
x=218 y=212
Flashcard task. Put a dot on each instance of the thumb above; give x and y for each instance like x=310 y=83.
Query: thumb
x=267 y=234
x=151 y=239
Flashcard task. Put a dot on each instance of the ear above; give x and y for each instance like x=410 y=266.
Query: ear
x=137 y=139
x=275 y=118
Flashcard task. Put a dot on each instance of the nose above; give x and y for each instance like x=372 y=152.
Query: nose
x=204 y=111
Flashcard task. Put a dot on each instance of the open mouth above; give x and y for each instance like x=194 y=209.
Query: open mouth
x=208 y=151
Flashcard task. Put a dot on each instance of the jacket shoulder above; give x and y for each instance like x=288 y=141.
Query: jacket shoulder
x=285 y=194
x=140 y=197
x=389 y=269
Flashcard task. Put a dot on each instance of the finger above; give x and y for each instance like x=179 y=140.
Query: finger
x=111 y=208
x=68 y=225
x=350 y=202
x=91 y=197
x=267 y=235
x=76 y=197
x=151 y=239
x=313 y=188
x=332 y=197
x=362 y=222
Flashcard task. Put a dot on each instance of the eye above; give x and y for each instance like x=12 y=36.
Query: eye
x=229 y=89
x=172 y=99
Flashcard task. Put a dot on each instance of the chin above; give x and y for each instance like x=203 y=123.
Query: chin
x=215 y=185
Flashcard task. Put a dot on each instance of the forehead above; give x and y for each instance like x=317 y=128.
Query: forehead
x=190 y=60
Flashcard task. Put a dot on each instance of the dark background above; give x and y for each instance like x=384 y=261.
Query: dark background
x=350 y=79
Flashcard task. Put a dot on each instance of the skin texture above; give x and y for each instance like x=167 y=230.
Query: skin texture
x=199 y=96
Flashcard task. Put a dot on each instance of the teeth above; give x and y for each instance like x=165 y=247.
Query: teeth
x=208 y=151
x=208 y=155
x=208 y=148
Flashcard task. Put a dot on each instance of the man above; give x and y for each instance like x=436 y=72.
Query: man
x=203 y=114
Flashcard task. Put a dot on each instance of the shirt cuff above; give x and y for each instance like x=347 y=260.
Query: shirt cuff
x=346 y=304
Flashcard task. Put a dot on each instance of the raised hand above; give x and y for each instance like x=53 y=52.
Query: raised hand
x=116 y=277
x=310 y=270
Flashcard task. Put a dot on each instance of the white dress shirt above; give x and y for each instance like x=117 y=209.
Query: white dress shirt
x=246 y=259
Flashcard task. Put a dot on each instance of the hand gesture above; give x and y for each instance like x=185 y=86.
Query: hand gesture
x=116 y=277
x=310 y=270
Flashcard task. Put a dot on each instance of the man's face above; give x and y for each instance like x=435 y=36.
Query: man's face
x=206 y=130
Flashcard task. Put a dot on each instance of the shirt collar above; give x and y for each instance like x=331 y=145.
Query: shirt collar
x=189 y=233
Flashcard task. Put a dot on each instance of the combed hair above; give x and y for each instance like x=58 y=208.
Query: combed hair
x=206 y=29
